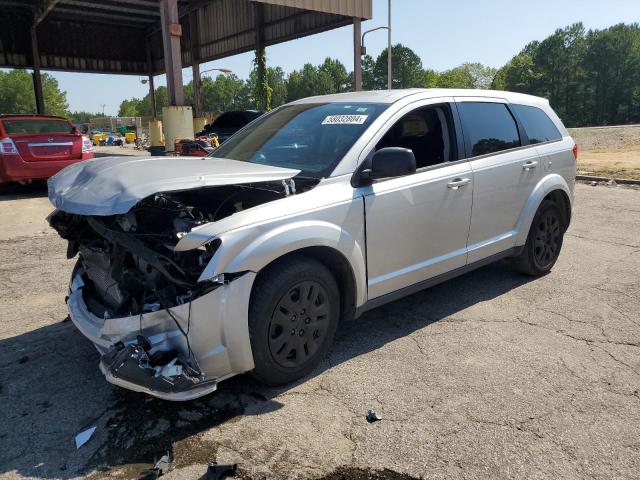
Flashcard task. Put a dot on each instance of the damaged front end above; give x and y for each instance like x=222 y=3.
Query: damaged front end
x=161 y=329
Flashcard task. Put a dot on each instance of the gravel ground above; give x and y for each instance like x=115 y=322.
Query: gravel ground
x=491 y=375
x=612 y=152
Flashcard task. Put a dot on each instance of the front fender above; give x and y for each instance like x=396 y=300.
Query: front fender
x=545 y=186
x=245 y=251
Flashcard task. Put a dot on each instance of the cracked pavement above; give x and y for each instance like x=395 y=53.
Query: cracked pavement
x=491 y=375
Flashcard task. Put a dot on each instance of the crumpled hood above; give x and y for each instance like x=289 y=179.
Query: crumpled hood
x=112 y=185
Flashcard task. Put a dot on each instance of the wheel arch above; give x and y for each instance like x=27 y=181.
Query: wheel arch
x=335 y=247
x=337 y=264
x=552 y=187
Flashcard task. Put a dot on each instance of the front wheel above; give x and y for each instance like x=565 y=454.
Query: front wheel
x=293 y=318
x=543 y=242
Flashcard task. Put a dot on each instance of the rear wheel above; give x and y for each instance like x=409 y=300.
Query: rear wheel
x=543 y=242
x=293 y=317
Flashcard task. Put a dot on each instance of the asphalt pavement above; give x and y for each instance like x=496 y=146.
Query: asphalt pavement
x=491 y=375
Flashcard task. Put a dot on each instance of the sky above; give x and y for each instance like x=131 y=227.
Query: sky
x=444 y=33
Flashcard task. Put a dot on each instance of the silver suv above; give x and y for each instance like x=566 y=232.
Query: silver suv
x=192 y=270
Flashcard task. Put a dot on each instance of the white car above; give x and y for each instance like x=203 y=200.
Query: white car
x=192 y=270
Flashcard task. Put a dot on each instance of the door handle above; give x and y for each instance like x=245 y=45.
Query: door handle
x=531 y=164
x=458 y=182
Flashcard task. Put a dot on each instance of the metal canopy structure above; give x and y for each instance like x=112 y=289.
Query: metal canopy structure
x=125 y=36
x=150 y=37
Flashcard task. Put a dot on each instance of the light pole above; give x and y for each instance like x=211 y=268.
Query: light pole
x=389 y=85
x=363 y=49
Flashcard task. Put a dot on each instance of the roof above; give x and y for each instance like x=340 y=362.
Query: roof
x=5 y=116
x=111 y=36
x=392 y=96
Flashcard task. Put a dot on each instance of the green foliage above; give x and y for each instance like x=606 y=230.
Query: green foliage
x=590 y=78
x=83 y=117
x=17 y=95
x=406 y=68
x=262 y=91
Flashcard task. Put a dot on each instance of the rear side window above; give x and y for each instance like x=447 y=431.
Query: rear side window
x=36 y=125
x=537 y=124
x=489 y=127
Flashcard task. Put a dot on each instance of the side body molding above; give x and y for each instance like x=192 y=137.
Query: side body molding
x=545 y=186
x=253 y=249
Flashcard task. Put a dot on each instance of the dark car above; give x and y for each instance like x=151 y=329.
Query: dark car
x=37 y=146
x=229 y=123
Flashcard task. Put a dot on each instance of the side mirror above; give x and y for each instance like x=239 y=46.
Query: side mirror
x=386 y=163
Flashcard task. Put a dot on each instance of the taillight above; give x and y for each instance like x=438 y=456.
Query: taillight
x=575 y=151
x=7 y=147
x=86 y=144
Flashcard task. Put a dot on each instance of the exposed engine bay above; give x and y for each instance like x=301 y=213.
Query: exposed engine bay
x=128 y=262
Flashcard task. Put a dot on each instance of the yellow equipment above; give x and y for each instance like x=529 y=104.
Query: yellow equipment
x=98 y=137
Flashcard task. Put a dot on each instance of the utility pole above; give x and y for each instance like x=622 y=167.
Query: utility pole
x=389 y=75
x=103 y=105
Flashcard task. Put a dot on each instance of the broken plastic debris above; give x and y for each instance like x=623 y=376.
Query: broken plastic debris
x=372 y=416
x=218 y=472
x=84 y=436
x=169 y=370
x=160 y=468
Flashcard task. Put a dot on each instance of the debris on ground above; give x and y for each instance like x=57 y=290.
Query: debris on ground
x=84 y=436
x=218 y=472
x=160 y=468
x=372 y=416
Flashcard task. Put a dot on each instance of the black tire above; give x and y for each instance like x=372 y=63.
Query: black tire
x=544 y=241
x=293 y=316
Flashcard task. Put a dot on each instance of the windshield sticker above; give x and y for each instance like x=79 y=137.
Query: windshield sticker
x=345 y=120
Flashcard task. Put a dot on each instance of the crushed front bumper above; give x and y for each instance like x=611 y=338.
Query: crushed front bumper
x=217 y=327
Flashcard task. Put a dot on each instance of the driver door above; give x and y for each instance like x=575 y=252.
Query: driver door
x=417 y=225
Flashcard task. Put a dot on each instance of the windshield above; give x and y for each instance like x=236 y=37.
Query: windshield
x=40 y=125
x=311 y=137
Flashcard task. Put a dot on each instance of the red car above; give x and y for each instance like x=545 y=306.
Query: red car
x=38 y=146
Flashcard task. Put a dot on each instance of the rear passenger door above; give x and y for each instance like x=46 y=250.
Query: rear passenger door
x=505 y=171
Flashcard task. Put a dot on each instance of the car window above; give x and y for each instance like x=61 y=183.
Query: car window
x=311 y=137
x=427 y=131
x=489 y=127
x=230 y=120
x=36 y=125
x=537 y=124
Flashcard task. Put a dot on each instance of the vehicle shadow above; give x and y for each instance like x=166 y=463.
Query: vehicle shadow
x=16 y=191
x=50 y=388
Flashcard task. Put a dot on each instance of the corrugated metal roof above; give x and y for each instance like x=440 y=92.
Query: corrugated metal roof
x=349 y=8
x=109 y=36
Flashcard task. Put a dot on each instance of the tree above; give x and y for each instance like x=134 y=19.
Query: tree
x=459 y=77
x=17 y=95
x=406 y=68
x=83 y=117
x=308 y=82
x=336 y=70
x=277 y=83
x=368 y=74
x=518 y=75
x=226 y=92
x=130 y=108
